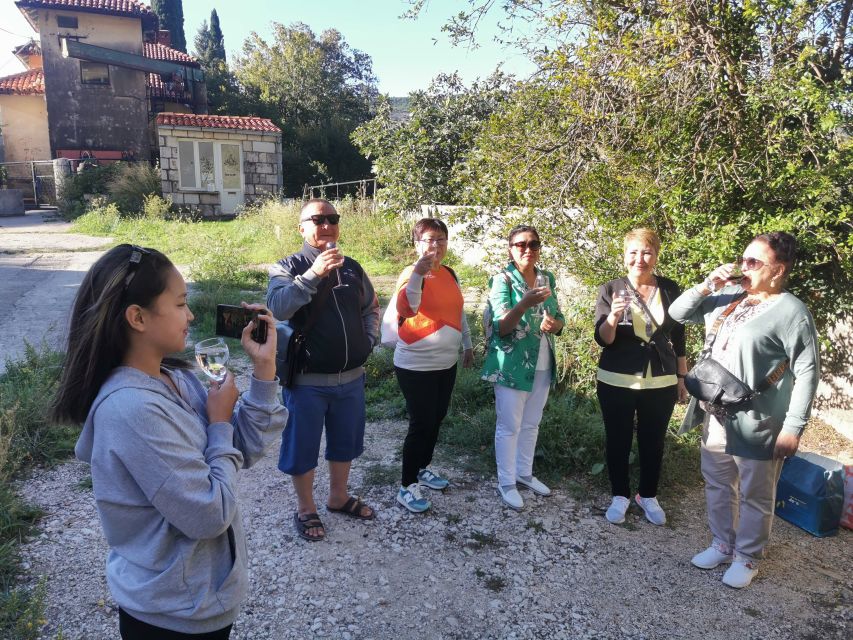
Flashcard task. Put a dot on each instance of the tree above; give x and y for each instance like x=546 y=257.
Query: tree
x=209 y=41
x=171 y=14
x=318 y=90
x=416 y=160
x=223 y=92
x=709 y=121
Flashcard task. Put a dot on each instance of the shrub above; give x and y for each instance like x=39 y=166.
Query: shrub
x=156 y=208
x=93 y=181
x=131 y=184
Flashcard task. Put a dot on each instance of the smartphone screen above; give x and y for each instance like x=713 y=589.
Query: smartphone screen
x=231 y=320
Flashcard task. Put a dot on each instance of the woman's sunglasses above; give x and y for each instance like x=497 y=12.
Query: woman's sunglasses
x=331 y=218
x=533 y=245
x=749 y=264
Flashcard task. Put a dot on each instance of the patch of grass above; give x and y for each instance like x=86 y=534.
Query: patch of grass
x=494 y=583
x=22 y=612
x=480 y=540
x=453 y=518
x=26 y=438
x=85 y=484
x=535 y=526
x=380 y=475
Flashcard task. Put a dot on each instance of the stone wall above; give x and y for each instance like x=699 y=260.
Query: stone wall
x=262 y=165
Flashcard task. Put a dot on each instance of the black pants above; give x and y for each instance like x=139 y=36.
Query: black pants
x=133 y=629
x=427 y=395
x=652 y=409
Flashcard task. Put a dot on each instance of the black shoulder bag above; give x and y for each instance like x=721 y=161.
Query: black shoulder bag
x=711 y=382
x=291 y=356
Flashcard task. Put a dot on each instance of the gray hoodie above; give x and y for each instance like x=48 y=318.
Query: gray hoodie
x=165 y=485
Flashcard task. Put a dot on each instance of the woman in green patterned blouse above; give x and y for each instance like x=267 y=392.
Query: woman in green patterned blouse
x=520 y=361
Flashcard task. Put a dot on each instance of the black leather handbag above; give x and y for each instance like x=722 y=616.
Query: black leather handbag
x=710 y=381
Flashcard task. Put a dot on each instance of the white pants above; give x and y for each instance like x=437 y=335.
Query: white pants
x=740 y=494
x=517 y=428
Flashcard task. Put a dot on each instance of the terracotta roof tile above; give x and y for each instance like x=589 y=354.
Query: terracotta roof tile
x=26 y=83
x=249 y=123
x=157 y=51
x=109 y=7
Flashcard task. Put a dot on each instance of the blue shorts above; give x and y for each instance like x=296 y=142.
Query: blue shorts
x=340 y=408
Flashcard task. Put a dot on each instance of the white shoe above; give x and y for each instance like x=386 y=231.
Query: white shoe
x=712 y=557
x=652 y=509
x=616 y=511
x=536 y=486
x=511 y=498
x=741 y=573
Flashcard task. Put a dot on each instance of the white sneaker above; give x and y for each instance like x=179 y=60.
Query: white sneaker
x=511 y=498
x=741 y=573
x=616 y=511
x=712 y=557
x=536 y=486
x=652 y=509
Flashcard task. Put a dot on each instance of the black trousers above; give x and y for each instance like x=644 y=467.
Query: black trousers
x=652 y=409
x=133 y=629
x=427 y=395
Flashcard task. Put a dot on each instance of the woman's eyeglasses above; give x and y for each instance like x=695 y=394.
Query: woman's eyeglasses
x=331 y=218
x=533 y=245
x=749 y=264
x=439 y=242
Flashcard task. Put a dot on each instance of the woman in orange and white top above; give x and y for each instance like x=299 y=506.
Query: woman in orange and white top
x=432 y=328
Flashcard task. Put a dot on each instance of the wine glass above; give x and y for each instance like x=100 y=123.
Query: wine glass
x=212 y=356
x=340 y=285
x=626 y=295
x=540 y=281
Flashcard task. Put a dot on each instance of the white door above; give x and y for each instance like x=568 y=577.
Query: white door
x=231 y=172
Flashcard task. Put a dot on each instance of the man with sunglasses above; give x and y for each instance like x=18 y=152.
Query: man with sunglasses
x=331 y=299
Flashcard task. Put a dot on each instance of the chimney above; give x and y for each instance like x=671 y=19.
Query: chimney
x=164 y=37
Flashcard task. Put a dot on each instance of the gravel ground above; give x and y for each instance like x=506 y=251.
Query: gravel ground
x=469 y=568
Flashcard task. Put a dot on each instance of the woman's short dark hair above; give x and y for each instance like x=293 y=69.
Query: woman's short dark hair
x=98 y=333
x=522 y=228
x=428 y=224
x=783 y=245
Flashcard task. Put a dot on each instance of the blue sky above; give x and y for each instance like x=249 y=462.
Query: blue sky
x=406 y=54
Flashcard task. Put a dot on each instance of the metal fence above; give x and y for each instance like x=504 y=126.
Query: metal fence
x=336 y=190
x=36 y=179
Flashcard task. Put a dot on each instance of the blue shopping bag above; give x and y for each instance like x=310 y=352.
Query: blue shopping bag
x=810 y=493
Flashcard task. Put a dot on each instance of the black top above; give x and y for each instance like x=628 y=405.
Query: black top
x=628 y=353
x=338 y=340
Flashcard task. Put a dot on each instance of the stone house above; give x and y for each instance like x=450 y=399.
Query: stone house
x=97 y=77
x=215 y=164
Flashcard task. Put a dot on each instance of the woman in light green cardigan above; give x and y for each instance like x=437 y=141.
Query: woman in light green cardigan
x=742 y=453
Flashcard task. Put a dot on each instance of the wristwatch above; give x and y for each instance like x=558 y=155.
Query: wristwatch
x=710 y=284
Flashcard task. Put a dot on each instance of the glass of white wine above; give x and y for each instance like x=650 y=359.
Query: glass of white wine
x=539 y=309
x=627 y=295
x=341 y=284
x=212 y=356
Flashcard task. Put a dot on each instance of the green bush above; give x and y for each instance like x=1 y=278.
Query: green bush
x=92 y=181
x=21 y=612
x=131 y=184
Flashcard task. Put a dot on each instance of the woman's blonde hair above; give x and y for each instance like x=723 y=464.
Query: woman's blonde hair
x=643 y=234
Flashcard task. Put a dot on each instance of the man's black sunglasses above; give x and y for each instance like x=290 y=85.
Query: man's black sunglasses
x=331 y=218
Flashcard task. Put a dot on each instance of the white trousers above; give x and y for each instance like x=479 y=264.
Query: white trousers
x=517 y=428
x=740 y=494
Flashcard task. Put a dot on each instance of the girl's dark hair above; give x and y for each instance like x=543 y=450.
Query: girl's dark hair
x=428 y=224
x=97 y=332
x=522 y=228
x=783 y=245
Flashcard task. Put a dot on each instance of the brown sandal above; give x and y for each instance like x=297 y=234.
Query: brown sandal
x=309 y=521
x=353 y=507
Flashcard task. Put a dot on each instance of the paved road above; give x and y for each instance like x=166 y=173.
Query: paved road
x=41 y=266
